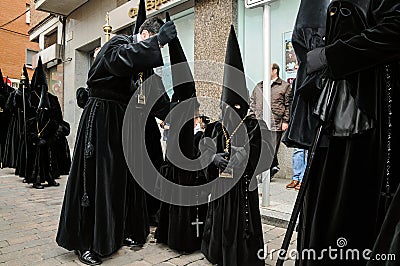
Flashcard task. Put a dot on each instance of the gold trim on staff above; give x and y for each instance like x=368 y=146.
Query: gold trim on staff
x=107 y=27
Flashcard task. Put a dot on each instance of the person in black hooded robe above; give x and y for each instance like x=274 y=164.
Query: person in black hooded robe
x=13 y=133
x=33 y=92
x=5 y=117
x=232 y=231
x=42 y=132
x=24 y=162
x=176 y=228
x=103 y=205
x=353 y=180
x=63 y=153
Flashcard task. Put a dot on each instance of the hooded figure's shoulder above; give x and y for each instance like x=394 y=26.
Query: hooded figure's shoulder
x=211 y=128
x=121 y=38
x=253 y=124
x=117 y=40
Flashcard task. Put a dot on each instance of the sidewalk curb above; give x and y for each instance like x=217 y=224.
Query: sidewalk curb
x=274 y=218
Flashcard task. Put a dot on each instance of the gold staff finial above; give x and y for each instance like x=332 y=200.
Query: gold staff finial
x=107 y=28
x=22 y=79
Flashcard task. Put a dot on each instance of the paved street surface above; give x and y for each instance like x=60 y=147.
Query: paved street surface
x=281 y=203
x=29 y=220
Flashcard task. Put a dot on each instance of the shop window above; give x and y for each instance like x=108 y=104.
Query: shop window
x=29 y=56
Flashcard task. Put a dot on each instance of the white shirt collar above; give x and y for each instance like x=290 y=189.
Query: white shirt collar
x=138 y=37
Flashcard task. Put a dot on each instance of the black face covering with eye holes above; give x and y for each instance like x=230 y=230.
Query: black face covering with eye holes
x=344 y=19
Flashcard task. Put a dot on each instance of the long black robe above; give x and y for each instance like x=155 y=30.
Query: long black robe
x=48 y=158
x=63 y=153
x=24 y=165
x=175 y=227
x=116 y=207
x=344 y=198
x=227 y=240
x=153 y=145
x=45 y=166
x=5 y=118
x=13 y=133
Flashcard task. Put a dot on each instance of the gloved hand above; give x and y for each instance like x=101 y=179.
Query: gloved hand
x=316 y=60
x=42 y=142
x=167 y=33
x=220 y=161
x=238 y=158
x=82 y=96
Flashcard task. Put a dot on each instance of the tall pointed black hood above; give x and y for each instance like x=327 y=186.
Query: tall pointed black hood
x=25 y=71
x=181 y=132
x=39 y=77
x=44 y=102
x=234 y=90
x=141 y=17
x=2 y=84
x=40 y=84
x=182 y=77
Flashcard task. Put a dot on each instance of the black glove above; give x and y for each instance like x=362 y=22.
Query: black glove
x=316 y=60
x=167 y=33
x=63 y=130
x=82 y=96
x=42 y=142
x=238 y=158
x=220 y=161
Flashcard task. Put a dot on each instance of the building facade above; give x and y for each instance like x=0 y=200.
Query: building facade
x=47 y=30
x=15 y=46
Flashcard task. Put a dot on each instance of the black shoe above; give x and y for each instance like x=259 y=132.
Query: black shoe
x=38 y=186
x=53 y=184
x=131 y=243
x=88 y=257
x=274 y=170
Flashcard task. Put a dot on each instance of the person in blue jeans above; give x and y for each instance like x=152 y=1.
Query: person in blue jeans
x=299 y=160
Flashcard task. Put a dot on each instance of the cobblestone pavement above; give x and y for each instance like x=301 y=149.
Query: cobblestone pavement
x=28 y=226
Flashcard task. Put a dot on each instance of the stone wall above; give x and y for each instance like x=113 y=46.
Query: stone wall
x=213 y=19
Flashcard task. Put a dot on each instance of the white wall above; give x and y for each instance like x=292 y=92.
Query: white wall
x=84 y=26
x=283 y=16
